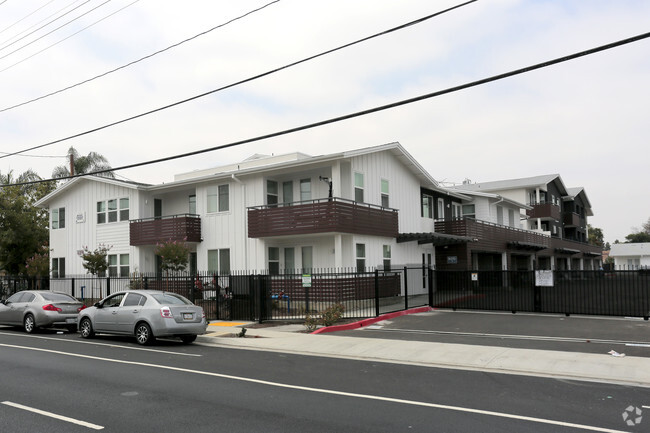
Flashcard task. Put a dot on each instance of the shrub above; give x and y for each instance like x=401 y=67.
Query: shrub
x=327 y=318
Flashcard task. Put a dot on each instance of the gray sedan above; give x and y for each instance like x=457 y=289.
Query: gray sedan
x=146 y=314
x=33 y=309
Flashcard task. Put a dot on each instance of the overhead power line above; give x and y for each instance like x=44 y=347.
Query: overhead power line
x=370 y=110
x=126 y=65
x=44 y=25
x=137 y=116
x=25 y=17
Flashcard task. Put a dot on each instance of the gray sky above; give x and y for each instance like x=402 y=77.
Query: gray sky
x=585 y=119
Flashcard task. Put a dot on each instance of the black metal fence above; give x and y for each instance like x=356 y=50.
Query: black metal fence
x=291 y=296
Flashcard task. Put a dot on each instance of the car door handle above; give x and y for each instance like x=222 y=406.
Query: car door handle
x=114 y=312
x=136 y=311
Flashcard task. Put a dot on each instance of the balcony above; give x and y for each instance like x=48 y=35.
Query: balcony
x=333 y=215
x=572 y=219
x=150 y=231
x=493 y=237
x=544 y=211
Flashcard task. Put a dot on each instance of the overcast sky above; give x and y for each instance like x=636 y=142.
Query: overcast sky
x=586 y=119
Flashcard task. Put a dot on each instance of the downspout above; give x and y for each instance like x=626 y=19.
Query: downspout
x=243 y=187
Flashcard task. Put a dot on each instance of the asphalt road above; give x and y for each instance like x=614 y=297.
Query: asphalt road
x=586 y=334
x=118 y=386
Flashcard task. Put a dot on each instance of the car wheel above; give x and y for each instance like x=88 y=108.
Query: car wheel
x=29 y=324
x=86 y=328
x=187 y=339
x=143 y=334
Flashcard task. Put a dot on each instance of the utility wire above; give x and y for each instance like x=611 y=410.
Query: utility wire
x=128 y=64
x=54 y=30
x=56 y=43
x=368 y=111
x=394 y=29
x=44 y=25
x=25 y=17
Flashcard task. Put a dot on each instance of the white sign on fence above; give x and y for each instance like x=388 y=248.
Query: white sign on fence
x=544 y=278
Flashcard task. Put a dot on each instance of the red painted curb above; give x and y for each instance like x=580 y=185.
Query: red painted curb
x=366 y=322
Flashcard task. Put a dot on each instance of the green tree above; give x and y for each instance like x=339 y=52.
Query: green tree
x=38 y=265
x=173 y=255
x=595 y=236
x=83 y=164
x=23 y=227
x=95 y=262
x=642 y=235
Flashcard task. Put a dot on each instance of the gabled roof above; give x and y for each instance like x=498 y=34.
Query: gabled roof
x=524 y=182
x=43 y=202
x=493 y=196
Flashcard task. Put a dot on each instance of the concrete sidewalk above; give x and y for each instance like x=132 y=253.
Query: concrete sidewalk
x=627 y=370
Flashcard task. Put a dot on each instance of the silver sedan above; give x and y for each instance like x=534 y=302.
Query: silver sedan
x=33 y=309
x=146 y=314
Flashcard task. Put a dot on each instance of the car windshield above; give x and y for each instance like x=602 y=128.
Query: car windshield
x=171 y=298
x=58 y=297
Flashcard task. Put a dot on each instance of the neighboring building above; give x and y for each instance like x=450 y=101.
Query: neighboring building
x=631 y=256
x=554 y=222
x=288 y=212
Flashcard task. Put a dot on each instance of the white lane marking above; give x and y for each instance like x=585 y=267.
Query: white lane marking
x=329 y=391
x=100 y=344
x=53 y=415
x=512 y=336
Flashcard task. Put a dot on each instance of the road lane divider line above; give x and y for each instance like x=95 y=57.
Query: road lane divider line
x=53 y=415
x=329 y=391
x=96 y=343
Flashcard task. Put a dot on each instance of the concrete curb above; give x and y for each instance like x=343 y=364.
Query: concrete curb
x=366 y=322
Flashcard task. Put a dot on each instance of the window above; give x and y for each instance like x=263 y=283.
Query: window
x=134 y=300
x=124 y=209
x=307 y=259
x=271 y=193
x=384 y=193
x=118 y=265
x=468 y=211
x=499 y=215
x=361 y=257
x=58 y=267
x=219 y=261
x=101 y=212
x=511 y=218
x=192 y=204
x=457 y=211
x=441 y=209
x=358 y=187
x=387 y=257
x=305 y=189
x=113 y=210
x=289 y=260
x=287 y=192
x=113 y=301
x=274 y=260
x=427 y=206
x=218 y=198
x=58 y=218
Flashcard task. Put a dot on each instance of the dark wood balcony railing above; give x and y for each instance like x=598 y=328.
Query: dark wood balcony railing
x=322 y=216
x=490 y=234
x=544 y=210
x=572 y=219
x=150 y=231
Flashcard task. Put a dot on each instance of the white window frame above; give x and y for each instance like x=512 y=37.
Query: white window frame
x=360 y=253
x=424 y=199
x=219 y=261
x=215 y=198
x=359 y=190
x=118 y=265
x=305 y=193
x=113 y=210
x=385 y=193
x=387 y=257
x=58 y=222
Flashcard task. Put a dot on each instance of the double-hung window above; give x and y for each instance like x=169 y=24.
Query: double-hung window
x=386 y=257
x=58 y=267
x=274 y=261
x=58 y=218
x=469 y=211
x=271 y=193
x=218 y=198
x=361 y=257
x=219 y=261
x=113 y=210
x=358 y=187
x=427 y=206
x=118 y=265
x=384 y=193
x=305 y=189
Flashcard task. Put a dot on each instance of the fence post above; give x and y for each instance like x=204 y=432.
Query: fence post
x=430 y=283
x=406 y=289
x=145 y=282
x=108 y=286
x=376 y=292
x=72 y=291
x=262 y=299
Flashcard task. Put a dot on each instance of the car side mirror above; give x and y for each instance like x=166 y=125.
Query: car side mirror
x=3 y=302
x=98 y=305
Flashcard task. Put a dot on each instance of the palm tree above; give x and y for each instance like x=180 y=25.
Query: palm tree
x=83 y=164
